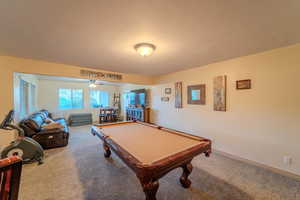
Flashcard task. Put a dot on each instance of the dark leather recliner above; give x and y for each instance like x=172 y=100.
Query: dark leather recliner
x=47 y=138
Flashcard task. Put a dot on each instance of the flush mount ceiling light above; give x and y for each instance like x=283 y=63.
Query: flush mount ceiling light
x=92 y=84
x=145 y=49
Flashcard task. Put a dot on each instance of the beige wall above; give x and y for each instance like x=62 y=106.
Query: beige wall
x=48 y=97
x=261 y=124
x=9 y=65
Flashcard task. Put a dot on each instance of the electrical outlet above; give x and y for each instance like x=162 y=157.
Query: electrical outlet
x=287 y=160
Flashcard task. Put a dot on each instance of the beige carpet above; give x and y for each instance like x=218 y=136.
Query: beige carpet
x=80 y=172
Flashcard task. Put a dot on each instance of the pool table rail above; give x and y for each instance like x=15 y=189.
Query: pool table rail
x=148 y=174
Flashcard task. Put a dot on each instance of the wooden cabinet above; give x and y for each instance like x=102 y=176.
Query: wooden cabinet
x=139 y=114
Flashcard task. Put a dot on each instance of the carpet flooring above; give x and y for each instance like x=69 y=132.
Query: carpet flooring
x=80 y=172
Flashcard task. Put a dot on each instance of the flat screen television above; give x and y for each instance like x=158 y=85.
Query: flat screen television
x=138 y=97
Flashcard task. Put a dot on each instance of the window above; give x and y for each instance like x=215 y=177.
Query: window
x=129 y=98
x=142 y=99
x=126 y=99
x=132 y=100
x=70 y=98
x=99 y=98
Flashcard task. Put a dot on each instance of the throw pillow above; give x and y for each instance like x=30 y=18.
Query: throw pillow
x=53 y=125
x=49 y=120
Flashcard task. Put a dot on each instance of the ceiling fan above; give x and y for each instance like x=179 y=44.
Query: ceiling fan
x=94 y=83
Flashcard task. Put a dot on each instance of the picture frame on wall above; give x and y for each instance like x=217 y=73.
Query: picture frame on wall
x=243 y=84
x=168 y=90
x=165 y=99
x=196 y=94
x=219 y=93
x=178 y=95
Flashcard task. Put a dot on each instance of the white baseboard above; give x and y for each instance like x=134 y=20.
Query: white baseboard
x=273 y=169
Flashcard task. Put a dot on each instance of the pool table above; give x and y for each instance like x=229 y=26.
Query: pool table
x=151 y=151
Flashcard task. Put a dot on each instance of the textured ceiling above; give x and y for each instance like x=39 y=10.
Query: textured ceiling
x=188 y=33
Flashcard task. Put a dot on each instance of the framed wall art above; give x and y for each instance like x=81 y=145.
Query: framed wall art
x=168 y=90
x=196 y=94
x=178 y=95
x=165 y=99
x=219 y=93
x=243 y=84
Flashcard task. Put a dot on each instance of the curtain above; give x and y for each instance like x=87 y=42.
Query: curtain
x=32 y=96
x=24 y=103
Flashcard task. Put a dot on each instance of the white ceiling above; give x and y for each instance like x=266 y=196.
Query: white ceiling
x=188 y=33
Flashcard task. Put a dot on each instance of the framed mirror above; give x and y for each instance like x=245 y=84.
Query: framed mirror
x=196 y=94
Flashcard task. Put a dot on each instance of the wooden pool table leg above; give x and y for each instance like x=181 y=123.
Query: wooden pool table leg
x=150 y=188
x=107 y=151
x=207 y=153
x=187 y=170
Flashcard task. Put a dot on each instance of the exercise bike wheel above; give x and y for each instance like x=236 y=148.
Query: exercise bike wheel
x=15 y=152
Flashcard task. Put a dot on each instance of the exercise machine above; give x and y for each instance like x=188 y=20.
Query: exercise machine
x=26 y=148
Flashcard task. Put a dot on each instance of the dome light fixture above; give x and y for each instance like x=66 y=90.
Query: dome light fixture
x=145 y=49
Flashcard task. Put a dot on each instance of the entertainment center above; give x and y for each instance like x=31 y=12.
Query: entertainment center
x=137 y=108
